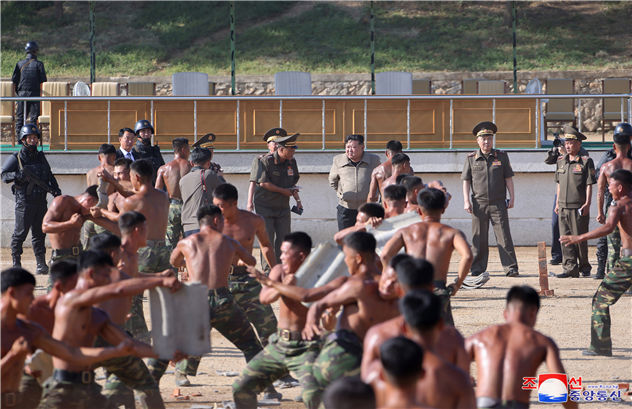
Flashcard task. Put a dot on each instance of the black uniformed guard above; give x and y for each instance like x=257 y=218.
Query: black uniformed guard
x=575 y=176
x=275 y=185
x=208 y=142
x=488 y=172
x=32 y=178
x=27 y=76
x=144 y=131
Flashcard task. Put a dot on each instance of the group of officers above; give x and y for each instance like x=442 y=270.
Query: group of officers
x=189 y=206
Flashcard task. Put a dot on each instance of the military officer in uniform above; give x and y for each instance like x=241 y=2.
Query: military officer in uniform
x=488 y=173
x=144 y=131
x=27 y=78
x=30 y=199
x=208 y=142
x=574 y=176
x=255 y=170
x=275 y=186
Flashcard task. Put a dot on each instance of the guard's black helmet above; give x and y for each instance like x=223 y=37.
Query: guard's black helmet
x=143 y=124
x=624 y=129
x=31 y=46
x=29 y=129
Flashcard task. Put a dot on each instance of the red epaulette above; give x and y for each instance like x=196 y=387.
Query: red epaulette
x=261 y=156
x=270 y=156
x=471 y=154
x=499 y=151
x=585 y=157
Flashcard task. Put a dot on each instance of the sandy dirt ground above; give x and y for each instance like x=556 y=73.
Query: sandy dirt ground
x=565 y=317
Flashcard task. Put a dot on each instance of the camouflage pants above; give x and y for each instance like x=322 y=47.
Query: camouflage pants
x=174 y=228
x=614 y=248
x=53 y=258
x=617 y=281
x=136 y=324
x=276 y=359
x=246 y=291
x=31 y=392
x=340 y=357
x=126 y=373
x=90 y=229
x=230 y=321
x=73 y=395
x=446 y=309
x=154 y=258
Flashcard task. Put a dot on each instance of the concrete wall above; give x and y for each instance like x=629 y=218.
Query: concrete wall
x=530 y=219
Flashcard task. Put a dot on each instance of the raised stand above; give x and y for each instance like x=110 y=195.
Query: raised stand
x=544 y=277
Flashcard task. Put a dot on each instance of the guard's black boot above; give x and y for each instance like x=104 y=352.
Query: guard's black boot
x=601 y=273
x=42 y=268
x=17 y=260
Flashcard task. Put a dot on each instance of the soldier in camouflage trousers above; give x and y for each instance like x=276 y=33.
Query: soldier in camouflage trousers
x=80 y=393
x=283 y=353
x=72 y=253
x=126 y=373
x=614 y=248
x=230 y=321
x=617 y=281
x=246 y=291
x=340 y=356
x=90 y=229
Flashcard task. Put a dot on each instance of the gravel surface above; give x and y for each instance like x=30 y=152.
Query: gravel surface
x=565 y=317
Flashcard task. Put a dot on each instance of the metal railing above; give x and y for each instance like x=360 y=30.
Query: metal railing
x=323 y=98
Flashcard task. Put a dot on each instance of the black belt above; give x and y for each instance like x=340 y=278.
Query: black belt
x=10 y=399
x=73 y=251
x=346 y=335
x=219 y=291
x=175 y=201
x=238 y=270
x=287 y=335
x=63 y=375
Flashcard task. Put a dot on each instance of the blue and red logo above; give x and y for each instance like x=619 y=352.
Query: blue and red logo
x=552 y=388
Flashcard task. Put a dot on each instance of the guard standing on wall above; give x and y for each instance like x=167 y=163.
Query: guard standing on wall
x=275 y=186
x=27 y=78
x=32 y=179
x=488 y=172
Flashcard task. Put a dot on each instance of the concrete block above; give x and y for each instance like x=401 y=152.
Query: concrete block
x=324 y=264
x=180 y=320
x=385 y=231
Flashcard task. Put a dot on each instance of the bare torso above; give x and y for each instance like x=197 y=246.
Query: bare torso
x=608 y=168
x=42 y=313
x=64 y=208
x=117 y=308
x=208 y=256
x=431 y=241
x=505 y=354
x=624 y=206
x=22 y=328
x=171 y=173
x=154 y=205
x=129 y=262
x=292 y=313
x=243 y=229
x=92 y=177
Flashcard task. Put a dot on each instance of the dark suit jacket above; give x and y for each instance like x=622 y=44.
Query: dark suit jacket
x=120 y=154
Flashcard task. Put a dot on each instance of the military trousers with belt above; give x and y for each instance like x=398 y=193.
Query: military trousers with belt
x=574 y=257
x=278 y=225
x=482 y=215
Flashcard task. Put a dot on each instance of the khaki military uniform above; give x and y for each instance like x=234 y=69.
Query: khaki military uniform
x=272 y=206
x=487 y=175
x=573 y=176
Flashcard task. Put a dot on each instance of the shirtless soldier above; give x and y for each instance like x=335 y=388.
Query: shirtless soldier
x=122 y=176
x=208 y=256
x=400 y=163
x=402 y=275
x=363 y=305
x=78 y=323
x=394 y=200
x=369 y=214
x=107 y=155
x=433 y=241
x=505 y=354
x=402 y=367
x=621 y=161
x=619 y=279
x=21 y=337
x=286 y=350
x=383 y=171
x=169 y=175
x=242 y=226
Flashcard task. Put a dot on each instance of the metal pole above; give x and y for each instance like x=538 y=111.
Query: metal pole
x=93 y=59
x=237 y=124
x=494 y=117
x=366 y=142
x=65 y=125
x=537 y=135
x=451 y=124
x=195 y=121
x=629 y=110
x=622 y=110
x=323 y=124
x=232 y=47
x=372 y=52
x=109 y=133
x=151 y=118
x=408 y=124
x=515 y=62
x=579 y=116
x=280 y=113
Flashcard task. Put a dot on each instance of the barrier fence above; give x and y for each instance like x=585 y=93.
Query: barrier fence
x=239 y=122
